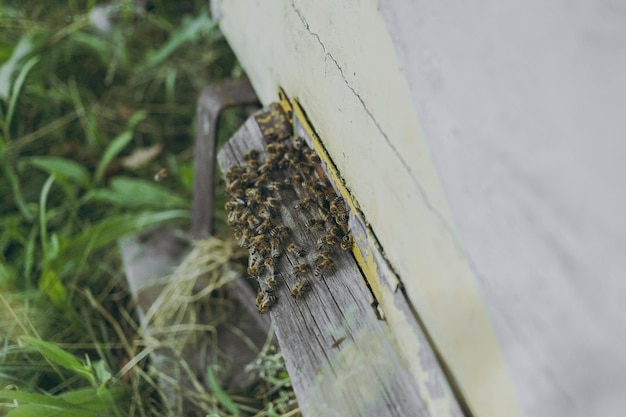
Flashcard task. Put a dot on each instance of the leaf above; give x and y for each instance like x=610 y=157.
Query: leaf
x=24 y=47
x=119 y=143
x=15 y=91
x=191 y=29
x=221 y=395
x=51 y=285
x=62 y=167
x=114 y=148
x=57 y=355
x=109 y=230
x=131 y=192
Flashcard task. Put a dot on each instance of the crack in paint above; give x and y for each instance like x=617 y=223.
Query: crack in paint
x=451 y=231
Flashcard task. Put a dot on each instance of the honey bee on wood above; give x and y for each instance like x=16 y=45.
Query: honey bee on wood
x=301 y=269
x=271 y=282
x=274 y=186
x=279 y=232
x=233 y=172
x=342 y=218
x=274 y=247
x=315 y=222
x=311 y=157
x=300 y=288
x=233 y=186
x=296 y=250
x=264 y=213
x=323 y=264
x=326 y=240
x=298 y=142
x=271 y=162
x=264 y=226
x=251 y=155
x=272 y=202
x=346 y=242
x=264 y=301
x=262 y=179
x=252 y=221
x=294 y=179
x=268 y=263
x=271 y=148
x=255 y=270
x=233 y=204
x=305 y=203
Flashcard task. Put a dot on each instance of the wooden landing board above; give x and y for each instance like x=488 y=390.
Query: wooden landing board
x=344 y=354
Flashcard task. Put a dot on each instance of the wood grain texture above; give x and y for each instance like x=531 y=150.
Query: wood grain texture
x=342 y=358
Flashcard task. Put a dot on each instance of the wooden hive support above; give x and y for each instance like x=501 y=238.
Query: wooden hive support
x=351 y=342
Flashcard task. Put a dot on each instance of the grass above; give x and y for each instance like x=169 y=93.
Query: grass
x=88 y=115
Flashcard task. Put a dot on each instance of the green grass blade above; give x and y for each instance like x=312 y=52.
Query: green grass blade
x=15 y=91
x=114 y=148
x=191 y=30
x=43 y=230
x=61 y=167
x=117 y=145
x=57 y=355
x=221 y=395
x=24 y=47
x=132 y=192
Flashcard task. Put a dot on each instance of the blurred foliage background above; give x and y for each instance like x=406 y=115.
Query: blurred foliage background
x=95 y=99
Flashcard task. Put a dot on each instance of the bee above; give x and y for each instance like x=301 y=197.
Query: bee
x=342 y=219
x=233 y=204
x=296 y=250
x=289 y=158
x=346 y=242
x=259 y=241
x=253 y=193
x=323 y=264
x=269 y=263
x=334 y=230
x=271 y=148
x=264 y=213
x=271 y=162
x=264 y=301
x=279 y=231
x=233 y=172
x=294 y=179
x=301 y=269
x=305 y=203
x=315 y=222
x=255 y=270
x=272 y=202
x=252 y=221
x=161 y=174
x=275 y=247
x=234 y=186
x=271 y=282
x=251 y=155
x=310 y=156
x=298 y=142
x=274 y=186
x=264 y=226
x=299 y=288
x=326 y=241
x=262 y=179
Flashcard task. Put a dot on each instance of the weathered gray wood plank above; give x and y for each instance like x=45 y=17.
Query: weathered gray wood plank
x=343 y=360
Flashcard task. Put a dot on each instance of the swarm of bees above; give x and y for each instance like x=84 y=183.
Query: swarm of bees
x=267 y=181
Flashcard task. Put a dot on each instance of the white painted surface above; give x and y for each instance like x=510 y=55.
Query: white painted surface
x=338 y=60
x=523 y=106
